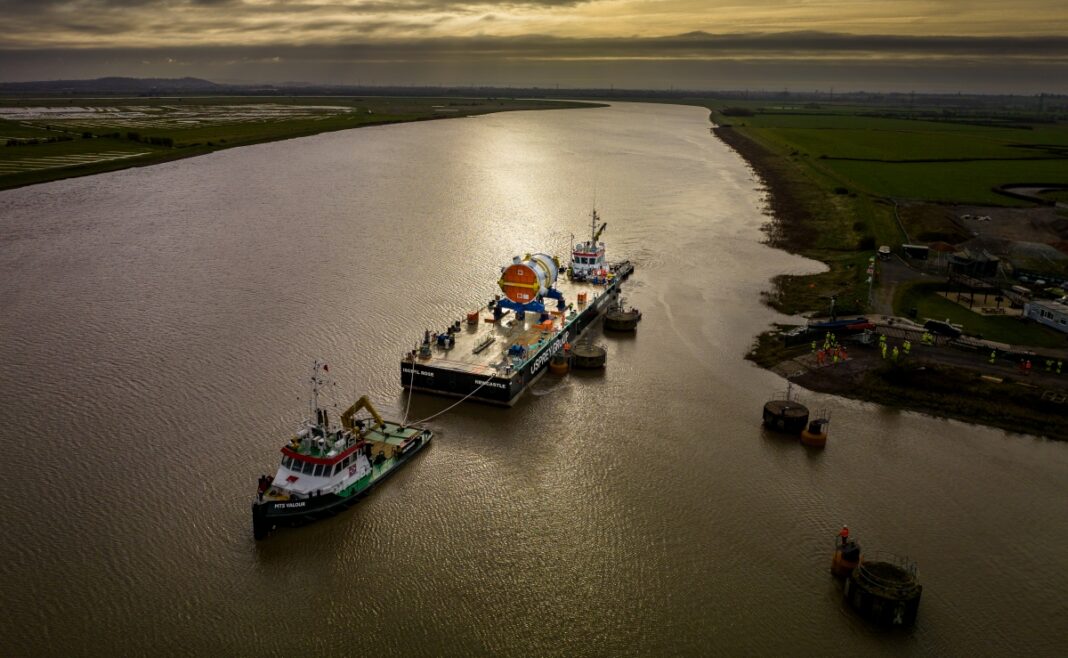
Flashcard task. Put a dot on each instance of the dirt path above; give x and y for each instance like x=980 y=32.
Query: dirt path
x=891 y=274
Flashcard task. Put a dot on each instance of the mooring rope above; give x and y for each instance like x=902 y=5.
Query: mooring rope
x=411 y=383
x=458 y=402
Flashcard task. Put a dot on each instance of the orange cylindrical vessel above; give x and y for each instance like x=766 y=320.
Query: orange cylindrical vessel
x=527 y=278
x=519 y=283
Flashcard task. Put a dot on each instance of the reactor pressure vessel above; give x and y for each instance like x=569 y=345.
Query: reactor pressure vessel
x=527 y=278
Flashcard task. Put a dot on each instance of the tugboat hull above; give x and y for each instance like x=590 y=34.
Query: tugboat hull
x=270 y=514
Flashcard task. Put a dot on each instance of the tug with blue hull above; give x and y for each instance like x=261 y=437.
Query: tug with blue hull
x=496 y=352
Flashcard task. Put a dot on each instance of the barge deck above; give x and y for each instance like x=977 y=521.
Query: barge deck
x=496 y=360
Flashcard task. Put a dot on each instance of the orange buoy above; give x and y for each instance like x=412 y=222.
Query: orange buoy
x=846 y=555
x=815 y=434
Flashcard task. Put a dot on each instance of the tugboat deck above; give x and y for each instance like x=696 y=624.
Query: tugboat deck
x=392 y=434
x=482 y=348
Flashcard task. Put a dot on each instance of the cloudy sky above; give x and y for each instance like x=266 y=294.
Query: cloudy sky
x=922 y=45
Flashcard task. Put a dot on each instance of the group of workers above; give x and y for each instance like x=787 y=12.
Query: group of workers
x=831 y=356
x=896 y=352
x=1025 y=364
x=832 y=351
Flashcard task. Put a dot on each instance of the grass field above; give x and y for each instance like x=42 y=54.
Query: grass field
x=923 y=296
x=46 y=139
x=947 y=182
x=1060 y=196
x=892 y=157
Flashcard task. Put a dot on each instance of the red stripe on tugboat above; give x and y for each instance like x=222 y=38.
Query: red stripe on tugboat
x=289 y=452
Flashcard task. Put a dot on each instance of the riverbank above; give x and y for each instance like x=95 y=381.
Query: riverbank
x=938 y=383
x=46 y=139
x=936 y=380
x=811 y=220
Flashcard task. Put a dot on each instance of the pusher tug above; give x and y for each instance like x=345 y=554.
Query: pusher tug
x=496 y=352
x=327 y=468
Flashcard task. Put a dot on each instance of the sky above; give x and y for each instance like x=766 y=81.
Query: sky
x=800 y=45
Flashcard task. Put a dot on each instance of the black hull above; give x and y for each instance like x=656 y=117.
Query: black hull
x=268 y=515
x=505 y=389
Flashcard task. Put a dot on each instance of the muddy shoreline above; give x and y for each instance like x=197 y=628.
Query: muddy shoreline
x=787 y=228
x=924 y=384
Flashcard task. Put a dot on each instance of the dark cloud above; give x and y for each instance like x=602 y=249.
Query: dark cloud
x=42 y=7
x=699 y=44
x=802 y=60
x=814 y=42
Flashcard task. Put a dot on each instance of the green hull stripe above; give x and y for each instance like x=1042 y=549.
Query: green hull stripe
x=377 y=473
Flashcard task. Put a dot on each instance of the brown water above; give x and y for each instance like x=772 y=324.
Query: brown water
x=158 y=325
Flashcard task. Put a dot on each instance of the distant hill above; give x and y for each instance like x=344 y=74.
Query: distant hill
x=112 y=86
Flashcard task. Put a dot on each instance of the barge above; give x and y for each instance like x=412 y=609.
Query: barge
x=496 y=352
x=326 y=468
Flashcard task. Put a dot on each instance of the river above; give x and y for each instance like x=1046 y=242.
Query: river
x=159 y=325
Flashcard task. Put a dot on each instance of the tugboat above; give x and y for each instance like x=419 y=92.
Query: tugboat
x=326 y=468
x=587 y=258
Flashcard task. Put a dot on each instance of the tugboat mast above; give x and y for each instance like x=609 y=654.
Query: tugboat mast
x=316 y=413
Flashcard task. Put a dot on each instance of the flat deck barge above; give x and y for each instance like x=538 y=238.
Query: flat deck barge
x=484 y=361
x=494 y=353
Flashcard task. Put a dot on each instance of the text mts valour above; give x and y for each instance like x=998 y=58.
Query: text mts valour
x=496 y=360
x=326 y=468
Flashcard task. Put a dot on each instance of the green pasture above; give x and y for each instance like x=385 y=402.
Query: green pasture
x=75 y=146
x=866 y=153
x=209 y=133
x=923 y=296
x=901 y=143
x=20 y=131
x=950 y=182
x=1060 y=196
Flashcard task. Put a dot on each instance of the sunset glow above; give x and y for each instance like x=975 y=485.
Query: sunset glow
x=323 y=41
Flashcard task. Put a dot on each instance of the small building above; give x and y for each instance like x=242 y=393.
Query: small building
x=1050 y=313
x=916 y=251
x=977 y=263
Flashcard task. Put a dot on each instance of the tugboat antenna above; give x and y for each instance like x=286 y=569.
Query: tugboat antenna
x=315 y=390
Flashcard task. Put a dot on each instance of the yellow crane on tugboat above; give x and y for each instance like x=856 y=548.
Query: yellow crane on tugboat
x=362 y=403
